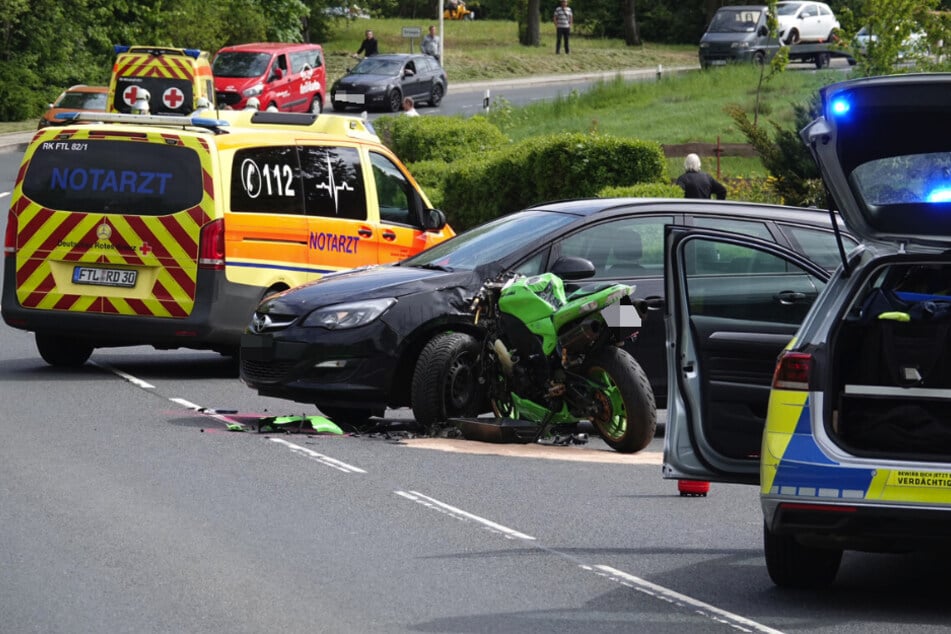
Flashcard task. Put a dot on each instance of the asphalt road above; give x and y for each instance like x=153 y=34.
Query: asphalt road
x=126 y=505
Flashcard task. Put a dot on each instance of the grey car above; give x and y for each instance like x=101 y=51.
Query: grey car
x=382 y=81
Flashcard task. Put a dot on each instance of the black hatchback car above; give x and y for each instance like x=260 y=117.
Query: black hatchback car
x=349 y=342
x=382 y=81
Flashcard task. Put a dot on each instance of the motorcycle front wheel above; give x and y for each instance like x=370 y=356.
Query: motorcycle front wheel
x=626 y=415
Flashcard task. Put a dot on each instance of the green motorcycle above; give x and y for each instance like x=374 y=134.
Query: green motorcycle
x=546 y=358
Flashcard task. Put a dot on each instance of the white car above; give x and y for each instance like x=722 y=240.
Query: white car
x=805 y=22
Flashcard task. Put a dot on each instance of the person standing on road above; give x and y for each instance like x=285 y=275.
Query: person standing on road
x=369 y=46
x=699 y=184
x=430 y=45
x=564 y=20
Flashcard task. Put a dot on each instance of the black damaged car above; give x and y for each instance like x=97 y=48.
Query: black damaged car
x=349 y=342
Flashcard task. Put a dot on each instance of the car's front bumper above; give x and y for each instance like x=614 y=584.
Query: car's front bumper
x=346 y=368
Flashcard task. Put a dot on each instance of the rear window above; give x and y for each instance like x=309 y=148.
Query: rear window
x=907 y=194
x=144 y=179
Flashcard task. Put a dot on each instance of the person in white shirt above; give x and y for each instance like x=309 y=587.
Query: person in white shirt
x=408 y=108
x=563 y=21
x=430 y=45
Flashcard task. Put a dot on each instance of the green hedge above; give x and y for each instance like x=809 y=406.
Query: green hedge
x=643 y=190
x=447 y=139
x=546 y=168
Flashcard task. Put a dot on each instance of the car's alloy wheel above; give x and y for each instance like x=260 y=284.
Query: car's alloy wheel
x=394 y=101
x=436 y=96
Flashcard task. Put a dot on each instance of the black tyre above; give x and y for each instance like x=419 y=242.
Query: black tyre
x=627 y=415
x=792 y=565
x=759 y=58
x=445 y=381
x=436 y=95
x=338 y=106
x=822 y=60
x=316 y=105
x=394 y=100
x=354 y=417
x=793 y=37
x=62 y=352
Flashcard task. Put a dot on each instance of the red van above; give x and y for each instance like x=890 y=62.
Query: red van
x=289 y=77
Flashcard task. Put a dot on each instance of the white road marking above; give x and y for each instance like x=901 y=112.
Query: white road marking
x=458 y=513
x=128 y=377
x=185 y=403
x=714 y=613
x=4 y=194
x=319 y=457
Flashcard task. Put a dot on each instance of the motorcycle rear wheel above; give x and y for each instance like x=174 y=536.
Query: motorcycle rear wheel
x=627 y=415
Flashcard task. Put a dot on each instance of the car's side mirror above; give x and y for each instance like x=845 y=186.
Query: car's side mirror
x=434 y=219
x=569 y=267
x=763 y=31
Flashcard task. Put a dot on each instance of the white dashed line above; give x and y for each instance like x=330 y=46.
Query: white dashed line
x=714 y=613
x=433 y=503
x=319 y=457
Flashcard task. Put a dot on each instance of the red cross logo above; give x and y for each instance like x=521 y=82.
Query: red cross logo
x=145 y=249
x=130 y=94
x=172 y=98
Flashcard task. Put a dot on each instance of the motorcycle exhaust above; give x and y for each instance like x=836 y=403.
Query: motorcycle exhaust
x=582 y=336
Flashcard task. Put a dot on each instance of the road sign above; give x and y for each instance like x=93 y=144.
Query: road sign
x=412 y=31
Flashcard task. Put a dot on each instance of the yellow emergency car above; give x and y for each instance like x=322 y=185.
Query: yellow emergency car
x=168 y=80
x=168 y=230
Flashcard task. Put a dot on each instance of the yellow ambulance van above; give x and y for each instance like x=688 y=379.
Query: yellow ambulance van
x=171 y=80
x=168 y=230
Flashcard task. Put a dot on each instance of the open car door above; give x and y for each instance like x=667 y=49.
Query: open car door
x=733 y=304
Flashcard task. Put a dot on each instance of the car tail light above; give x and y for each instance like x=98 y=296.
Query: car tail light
x=211 y=246
x=792 y=371
x=10 y=238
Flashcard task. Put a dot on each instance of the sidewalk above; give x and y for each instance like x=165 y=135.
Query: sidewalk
x=15 y=141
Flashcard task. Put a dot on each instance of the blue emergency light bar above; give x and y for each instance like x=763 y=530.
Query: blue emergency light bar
x=191 y=52
x=144 y=119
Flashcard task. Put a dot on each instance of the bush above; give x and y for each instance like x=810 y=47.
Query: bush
x=643 y=190
x=544 y=168
x=448 y=139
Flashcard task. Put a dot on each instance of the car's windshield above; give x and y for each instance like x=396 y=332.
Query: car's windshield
x=787 y=8
x=492 y=241
x=83 y=100
x=734 y=21
x=375 y=66
x=240 y=64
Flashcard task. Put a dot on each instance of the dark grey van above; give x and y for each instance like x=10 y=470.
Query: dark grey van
x=737 y=34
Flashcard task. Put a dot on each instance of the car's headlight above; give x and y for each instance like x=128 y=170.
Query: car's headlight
x=353 y=315
x=253 y=91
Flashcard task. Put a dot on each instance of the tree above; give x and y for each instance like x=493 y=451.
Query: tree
x=529 y=27
x=632 y=36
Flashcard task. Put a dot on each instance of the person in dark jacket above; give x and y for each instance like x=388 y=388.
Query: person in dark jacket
x=369 y=46
x=697 y=183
